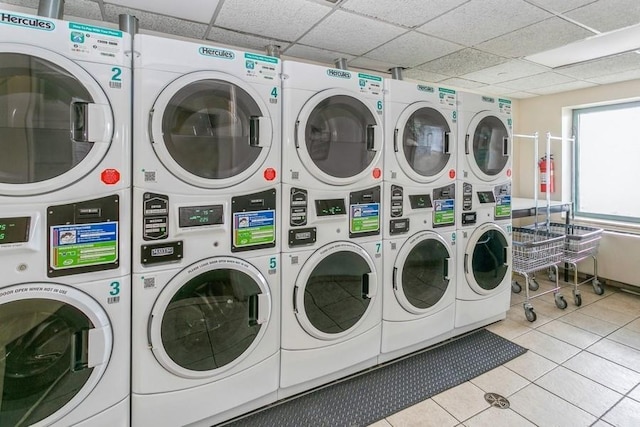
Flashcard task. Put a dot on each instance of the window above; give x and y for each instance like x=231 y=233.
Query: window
x=607 y=172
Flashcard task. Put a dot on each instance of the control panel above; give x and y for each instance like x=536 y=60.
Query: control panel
x=502 y=195
x=364 y=212
x=444 y=206
x=253 y=221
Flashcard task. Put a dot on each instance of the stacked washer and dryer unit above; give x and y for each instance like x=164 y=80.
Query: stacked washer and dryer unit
x=331 y=229
x=484 y=195
x=206 y=264
x=65 y=94
x=419 y=217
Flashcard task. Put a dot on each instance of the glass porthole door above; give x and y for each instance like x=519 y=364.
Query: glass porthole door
x=211 y=130
x=487 y=259
x=56 y=123
x=338 y=137
x=488 y=146
x=421 y=273
x=423 y=143
x=210 y=318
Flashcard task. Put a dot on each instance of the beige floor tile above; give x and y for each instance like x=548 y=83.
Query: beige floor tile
x=626 y=337
x=600 y=310
x=569 y=334
x=623 y=302
x=494 y=417
x=633 y=326
x=516 y=313
x=463 y=401
x=624 y=414
x=603 y=371
x=589 y=323
x=500 y=380
x=424 y=414
x=635 y=394
x=547 y=346
x=517 y=299
x=549 y=308
x=618 y=353
x=530 y=365
x=545 y=409
x=584 y=393
x=508 y=329
x=381 y=423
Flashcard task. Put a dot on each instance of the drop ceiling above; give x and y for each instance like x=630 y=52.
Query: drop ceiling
x=466 y=44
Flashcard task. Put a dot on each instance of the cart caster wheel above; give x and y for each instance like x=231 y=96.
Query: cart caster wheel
x=561 y=303
x=577 y=298
x=552 y=276
x=597 y=287
x=530 y=314
x=533 y=285
x=515 y=287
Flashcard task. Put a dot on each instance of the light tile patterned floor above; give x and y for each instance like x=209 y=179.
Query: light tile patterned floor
x=582 y=369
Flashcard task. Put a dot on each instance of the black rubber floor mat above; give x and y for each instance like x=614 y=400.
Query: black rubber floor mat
x=382 y=391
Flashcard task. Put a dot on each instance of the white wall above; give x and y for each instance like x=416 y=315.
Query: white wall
x=619 y=254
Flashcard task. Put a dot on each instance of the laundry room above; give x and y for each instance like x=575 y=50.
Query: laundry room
x=319 y=213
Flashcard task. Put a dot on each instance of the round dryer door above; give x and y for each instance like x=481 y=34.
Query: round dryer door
x=488 y=146
x=334 y=290
x=487 y=258
x=55 y=342
x=210 y=129
x=209 y=317
x=421 y=272
x=56 y=123
x=422 y=142
x=338 y=137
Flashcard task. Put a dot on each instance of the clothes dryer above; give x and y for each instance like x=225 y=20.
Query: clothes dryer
x=485 y=139
x=65 y=123
x=484 y=255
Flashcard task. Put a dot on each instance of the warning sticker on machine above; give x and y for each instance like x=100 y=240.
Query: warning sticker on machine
x=503 y=206
x=254 y=228
x=260 y=66
x=444 y=212
x=504 y=105
x=447 y=96
x=100 y=43
x=83 y=245
x=364 y=218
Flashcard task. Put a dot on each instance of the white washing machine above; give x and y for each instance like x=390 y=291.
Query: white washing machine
x=485 y=138
x=64 y=222
x=331 y=313
x=484 y=254
x=332 y=133
x=205 y=232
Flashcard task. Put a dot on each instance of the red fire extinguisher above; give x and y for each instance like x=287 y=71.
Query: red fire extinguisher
x=542 y=164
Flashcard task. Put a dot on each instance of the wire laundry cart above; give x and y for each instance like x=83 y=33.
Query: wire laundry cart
x=535 y=250
x=581 y=242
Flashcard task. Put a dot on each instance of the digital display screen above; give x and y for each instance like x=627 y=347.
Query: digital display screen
x=420 y=201
x=486 y=197
x=330 y=207
x=14 y=230
x=196 y=216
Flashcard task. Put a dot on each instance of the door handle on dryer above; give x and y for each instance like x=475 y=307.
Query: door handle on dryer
x=505 y=146
x=466 y=144
x=466 y=267
x=369 y=285
x=258 y=309
x=259 y=132
x=90 y=122
x=395 y=139
x=447 y=268
x=447 y=145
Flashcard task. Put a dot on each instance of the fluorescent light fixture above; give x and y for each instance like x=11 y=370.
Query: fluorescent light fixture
x=623 y=40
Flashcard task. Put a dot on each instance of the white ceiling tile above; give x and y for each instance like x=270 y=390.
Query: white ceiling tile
x=607 y=15
x=564 y=87
x=82 y=9
x=481 y=20
x=522 y=95
x=463 y=62
x=271 y=18
x=31 y=4
x=461 y=83
x=560 y=5
x=535 y=38
x=497 y=90
x=371 y=64
x=242 y=40
x=159 y=23
x=412 y=49
x=602 y=67
x=422 y=75
x=309 y=53
x=537 y=81
x=194 y=10
x=402 y=12
x=511 y=70
x=620 y=77
x=346 y=32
